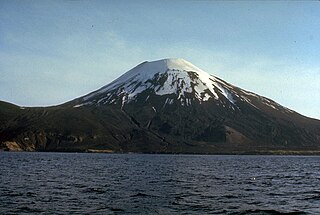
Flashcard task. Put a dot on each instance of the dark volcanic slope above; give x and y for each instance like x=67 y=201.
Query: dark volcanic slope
x=7 y=112
x=162 y=106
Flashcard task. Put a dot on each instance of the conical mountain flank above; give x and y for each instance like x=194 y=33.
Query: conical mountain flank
x=164 y=106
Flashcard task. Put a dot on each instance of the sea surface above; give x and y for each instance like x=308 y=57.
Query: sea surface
x=84 y=183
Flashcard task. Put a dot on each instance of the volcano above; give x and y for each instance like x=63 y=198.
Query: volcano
x=164 y=106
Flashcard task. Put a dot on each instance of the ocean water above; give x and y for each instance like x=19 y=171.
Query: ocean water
x=71 y=183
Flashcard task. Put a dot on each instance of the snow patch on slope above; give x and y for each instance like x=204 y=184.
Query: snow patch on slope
x=164 y=77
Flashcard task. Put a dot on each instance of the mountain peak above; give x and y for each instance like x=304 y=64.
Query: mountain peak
x=166 y=77
x=164 y=65
x=173 y=64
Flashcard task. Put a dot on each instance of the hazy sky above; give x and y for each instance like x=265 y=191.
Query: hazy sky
x=54 y=51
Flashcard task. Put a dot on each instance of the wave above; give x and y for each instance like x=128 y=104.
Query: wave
x=267 y=212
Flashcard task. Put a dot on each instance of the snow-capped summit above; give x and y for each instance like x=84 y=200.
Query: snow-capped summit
x=174 y=81
x=173 y=76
